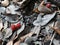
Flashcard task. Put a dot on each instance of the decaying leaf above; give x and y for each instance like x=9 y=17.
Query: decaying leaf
x=11 y=9
x=2 y=9
x=1 y=35
x=21 y=29
x=23 y=44
x=5 y=24
x=8 y=33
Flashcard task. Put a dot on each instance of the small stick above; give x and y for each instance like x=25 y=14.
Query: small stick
x=23 y=37
x=52 y=38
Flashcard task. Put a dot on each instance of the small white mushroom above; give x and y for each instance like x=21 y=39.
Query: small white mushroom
x=5 y=2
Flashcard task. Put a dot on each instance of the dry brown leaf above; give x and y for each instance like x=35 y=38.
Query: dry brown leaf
x=17 y=43
x=10 y=43
x=56 y=29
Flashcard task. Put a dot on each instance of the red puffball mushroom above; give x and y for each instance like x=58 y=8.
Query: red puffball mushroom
x=48 y=5
x=13 y=27
x=18 y=25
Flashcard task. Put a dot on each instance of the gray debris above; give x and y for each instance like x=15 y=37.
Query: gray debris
x=29 y=22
